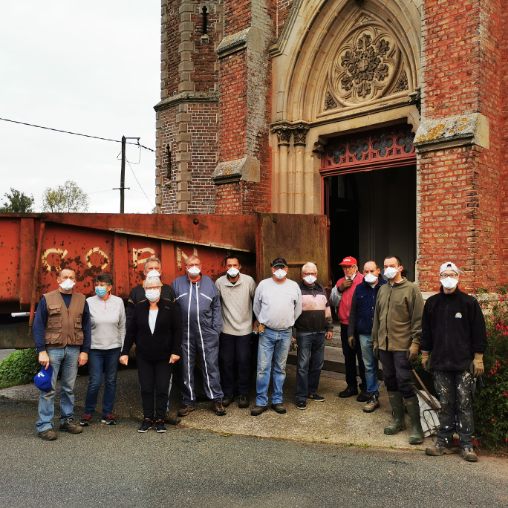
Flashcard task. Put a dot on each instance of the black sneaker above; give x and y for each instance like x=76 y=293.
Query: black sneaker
x=316 y=397
x=109 y=419
x=159 y=426
x=348 y=392
x=86 y=419
x=301 y=405
x=146 y=425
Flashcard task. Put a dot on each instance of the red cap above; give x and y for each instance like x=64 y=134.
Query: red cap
x=348 y=261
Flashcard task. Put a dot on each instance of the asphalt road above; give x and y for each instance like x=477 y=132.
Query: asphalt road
x=116 y=466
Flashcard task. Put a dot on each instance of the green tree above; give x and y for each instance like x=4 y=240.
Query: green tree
x=17 y=202
x=68 y=197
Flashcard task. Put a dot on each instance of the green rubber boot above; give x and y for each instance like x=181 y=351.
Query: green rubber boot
x=413 y=410
x=398 y=414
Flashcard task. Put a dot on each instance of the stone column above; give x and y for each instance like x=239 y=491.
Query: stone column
x=283 y=138
x=299 y=142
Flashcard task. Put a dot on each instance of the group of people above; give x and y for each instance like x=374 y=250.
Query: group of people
x=198 y=322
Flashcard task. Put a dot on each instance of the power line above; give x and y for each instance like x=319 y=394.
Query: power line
x=139 y=185
x=62 y=131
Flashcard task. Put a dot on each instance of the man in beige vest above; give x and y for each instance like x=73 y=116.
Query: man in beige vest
x=62 y=335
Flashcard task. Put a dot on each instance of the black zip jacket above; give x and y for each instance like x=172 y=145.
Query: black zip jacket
x=453 y=330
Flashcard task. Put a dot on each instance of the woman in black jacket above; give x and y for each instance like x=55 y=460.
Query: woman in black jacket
x=157 y=332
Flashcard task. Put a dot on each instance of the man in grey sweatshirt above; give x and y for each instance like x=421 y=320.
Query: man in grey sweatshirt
x=277 y=305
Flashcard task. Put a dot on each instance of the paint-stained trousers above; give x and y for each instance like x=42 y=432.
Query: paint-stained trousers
x=455 y=393
x=209 y=362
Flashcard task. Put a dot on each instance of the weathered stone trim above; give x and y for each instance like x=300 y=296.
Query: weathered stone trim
x=452 y=131
x=186 y=97
x=233 y=43
x=247 y=169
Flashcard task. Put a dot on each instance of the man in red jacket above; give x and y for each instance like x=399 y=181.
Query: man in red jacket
x=341 y=297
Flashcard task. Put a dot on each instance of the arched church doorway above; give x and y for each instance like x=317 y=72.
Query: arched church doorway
x=369 y=184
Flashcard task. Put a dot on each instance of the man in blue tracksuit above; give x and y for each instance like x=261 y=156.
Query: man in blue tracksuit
x=360 y=328
x=199 y=304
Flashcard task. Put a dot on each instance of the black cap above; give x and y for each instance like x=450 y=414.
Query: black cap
x=279 y=262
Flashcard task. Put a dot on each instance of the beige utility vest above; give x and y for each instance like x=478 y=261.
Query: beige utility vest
x=64 y=326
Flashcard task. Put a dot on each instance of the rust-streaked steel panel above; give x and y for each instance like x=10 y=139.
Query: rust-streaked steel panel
x=117 y=243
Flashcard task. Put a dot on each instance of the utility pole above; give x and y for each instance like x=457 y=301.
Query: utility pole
x=122 y=173
x=122 y=176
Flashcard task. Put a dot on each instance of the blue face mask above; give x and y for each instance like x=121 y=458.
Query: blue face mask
x=100 y=291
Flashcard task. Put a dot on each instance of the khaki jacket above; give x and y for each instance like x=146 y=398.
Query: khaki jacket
x=398 y=316
x=64 y=326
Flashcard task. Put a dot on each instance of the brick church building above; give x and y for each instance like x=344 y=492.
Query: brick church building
x=390 y=117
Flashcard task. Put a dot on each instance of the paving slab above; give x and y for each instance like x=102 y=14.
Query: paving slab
x=334 y=421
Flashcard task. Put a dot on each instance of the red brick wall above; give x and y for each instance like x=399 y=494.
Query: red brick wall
x=503 y=139
x=166 y=135
x=203 y=149
x=170 y=39
x=237 y=16
x=460 y=199
x=233 y=106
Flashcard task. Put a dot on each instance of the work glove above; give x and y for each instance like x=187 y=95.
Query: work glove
x=425 y=360
x=351 y=341
x=413 y=351
x=478 y=367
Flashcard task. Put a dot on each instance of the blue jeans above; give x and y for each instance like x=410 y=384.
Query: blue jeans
x=370 y=363
x=310 y=359
x=102 y=362
x=64 y=360
x=273 y=352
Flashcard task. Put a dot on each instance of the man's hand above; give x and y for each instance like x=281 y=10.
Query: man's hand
x=478 y=367
x=346 y=283
x=172 y=358
x=425 y=359
x=329 y=335
x=375 y=350
x=261 y=328
x=82 y=359
x=44 y=359
x=124 y=360
x=413 y=351
x=351 y=341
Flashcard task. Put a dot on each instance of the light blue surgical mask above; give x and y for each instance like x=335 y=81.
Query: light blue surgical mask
x=101 y=291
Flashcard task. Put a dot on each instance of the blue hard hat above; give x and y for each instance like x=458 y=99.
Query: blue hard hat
x=42 y=379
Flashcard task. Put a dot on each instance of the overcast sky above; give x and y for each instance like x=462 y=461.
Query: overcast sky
x=90 y=67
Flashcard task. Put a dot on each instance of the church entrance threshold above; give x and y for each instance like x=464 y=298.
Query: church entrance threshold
x=370 y=198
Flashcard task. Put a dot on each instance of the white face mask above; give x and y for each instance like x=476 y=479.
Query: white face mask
x=194 y=271
x=390 y=272
x=152 y=295
x=233 y=272
x=67 y=284
x=309 y=279
x=449 y=282
x=370 y=278
x=153 y=273
x=280 y=273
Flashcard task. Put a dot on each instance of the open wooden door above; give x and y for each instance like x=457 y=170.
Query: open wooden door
x=298 y=239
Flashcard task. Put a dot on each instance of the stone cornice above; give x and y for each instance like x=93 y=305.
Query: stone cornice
x=183 y=97
x=452 y=131
x=233 y=43
x=247 y=169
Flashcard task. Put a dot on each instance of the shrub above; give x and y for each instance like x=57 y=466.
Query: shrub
x=18 y=368
x=491 y=401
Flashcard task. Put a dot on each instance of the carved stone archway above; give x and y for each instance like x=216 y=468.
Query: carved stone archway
x=338 y=66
